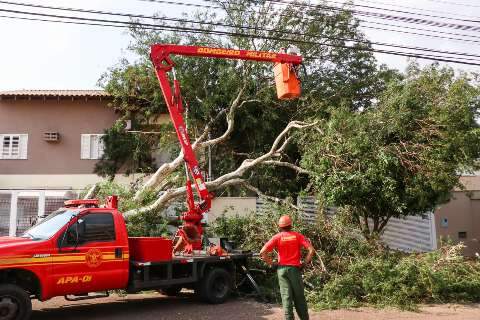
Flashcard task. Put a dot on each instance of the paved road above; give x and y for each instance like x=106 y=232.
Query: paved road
x=156 y=306
x=149 y=307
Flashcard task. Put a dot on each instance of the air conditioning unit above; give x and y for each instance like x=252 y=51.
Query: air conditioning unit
x=51 y=136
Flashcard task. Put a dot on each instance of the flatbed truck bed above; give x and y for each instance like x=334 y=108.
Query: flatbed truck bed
x=182 y=271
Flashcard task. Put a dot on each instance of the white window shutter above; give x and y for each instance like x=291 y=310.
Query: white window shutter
x=23 y=146
x=93 y=146
x=101 y=145
x=85 y=146
x=2 y=136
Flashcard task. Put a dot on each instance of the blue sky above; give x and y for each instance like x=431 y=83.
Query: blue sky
x=37 y=55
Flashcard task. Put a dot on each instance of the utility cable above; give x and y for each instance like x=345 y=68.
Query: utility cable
x=419 y=34
x=455 y=3
x=407 y=7
x=211 y=23
x=204 y=6
x=236 y=34
x=405 y=12
x=383 y=16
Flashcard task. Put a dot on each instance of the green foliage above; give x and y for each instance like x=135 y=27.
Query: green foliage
x=403 y=281
x=336 y=244
x=360 y=272
x=129 y=152
x=337 y=77
x=401 y=157
x=147 y=225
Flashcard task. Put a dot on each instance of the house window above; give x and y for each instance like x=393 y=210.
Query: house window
x=462 y=235
x=92 y=146
x=13 y=146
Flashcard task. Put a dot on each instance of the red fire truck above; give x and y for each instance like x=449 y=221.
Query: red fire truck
x=84 y=248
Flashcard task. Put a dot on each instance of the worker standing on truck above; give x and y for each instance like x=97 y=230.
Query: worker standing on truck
x=289 y=246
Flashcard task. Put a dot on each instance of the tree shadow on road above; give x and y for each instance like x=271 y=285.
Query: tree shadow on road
x=149 y=308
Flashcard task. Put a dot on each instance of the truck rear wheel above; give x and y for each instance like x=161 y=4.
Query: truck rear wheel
x=215 y=287
x=15 y=303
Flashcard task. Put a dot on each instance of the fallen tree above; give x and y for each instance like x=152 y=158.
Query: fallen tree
x=234 y=101
x=228 y=179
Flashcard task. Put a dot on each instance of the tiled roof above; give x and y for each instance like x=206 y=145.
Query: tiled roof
x=54 y=93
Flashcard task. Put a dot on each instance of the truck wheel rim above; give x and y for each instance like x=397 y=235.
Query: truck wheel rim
x=8 y=308
x=220 y=287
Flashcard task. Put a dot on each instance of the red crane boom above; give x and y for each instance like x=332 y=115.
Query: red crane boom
x=288 y=87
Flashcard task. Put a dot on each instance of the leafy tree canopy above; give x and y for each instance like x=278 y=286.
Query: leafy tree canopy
x=124 y=150
x=335 y=76
x=404 y=155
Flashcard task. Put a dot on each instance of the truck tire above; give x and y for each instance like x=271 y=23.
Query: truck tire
x=15 y=303
x=215 y=286
x=171 y=291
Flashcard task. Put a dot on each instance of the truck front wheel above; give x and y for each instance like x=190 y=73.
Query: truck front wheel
x=15 y=303
x=215 y=286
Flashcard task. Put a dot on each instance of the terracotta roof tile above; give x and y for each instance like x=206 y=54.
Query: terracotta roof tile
x=54 y=93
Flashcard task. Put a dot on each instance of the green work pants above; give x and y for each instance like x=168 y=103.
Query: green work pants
x=291 y=290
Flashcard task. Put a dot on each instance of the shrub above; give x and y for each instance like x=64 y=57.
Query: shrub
x=360 y=272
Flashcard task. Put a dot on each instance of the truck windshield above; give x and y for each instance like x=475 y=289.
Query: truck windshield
x=45 y=229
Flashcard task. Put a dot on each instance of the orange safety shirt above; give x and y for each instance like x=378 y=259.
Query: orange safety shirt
x=289 y=246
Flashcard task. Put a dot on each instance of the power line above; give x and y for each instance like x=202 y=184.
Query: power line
x=420 y=34
x=407 y=7
x=215 y=24
x=420 y=29
x=211 y=23
x=384 y=16
x=455 y=3
x=408 y=12
x=179 y=3
x=458 y=60
x=64 y=21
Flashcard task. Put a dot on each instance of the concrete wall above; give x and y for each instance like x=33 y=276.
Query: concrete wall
x=231 y=206
x=69 y=118
x=55 y=181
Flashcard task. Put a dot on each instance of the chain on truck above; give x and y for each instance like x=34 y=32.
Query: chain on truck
x=83 y=251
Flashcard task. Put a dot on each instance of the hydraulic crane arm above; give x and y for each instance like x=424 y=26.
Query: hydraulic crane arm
x=160 y=54
x=287 y=83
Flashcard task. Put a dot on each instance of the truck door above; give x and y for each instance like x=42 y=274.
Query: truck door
x=91 y=257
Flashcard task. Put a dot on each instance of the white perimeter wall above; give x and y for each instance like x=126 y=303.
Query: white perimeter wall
x=54 y=181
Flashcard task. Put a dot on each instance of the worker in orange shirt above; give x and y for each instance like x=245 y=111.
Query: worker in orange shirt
x=289 y=246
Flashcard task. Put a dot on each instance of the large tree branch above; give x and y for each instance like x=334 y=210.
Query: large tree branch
x=288 y=165
x=229 y=178
x=248 y=164
x=92 y=191
x=270 y=198
x=170 y=195
x=167 y=168
x=230 y=124
x=163 y=172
